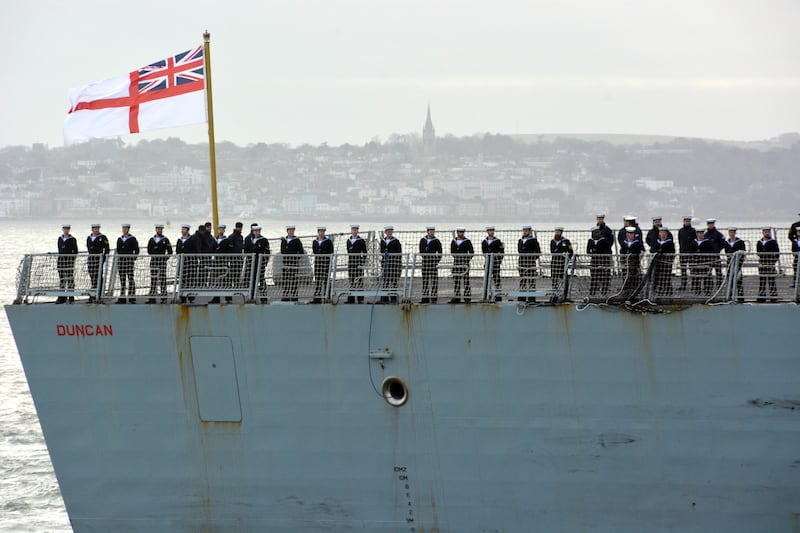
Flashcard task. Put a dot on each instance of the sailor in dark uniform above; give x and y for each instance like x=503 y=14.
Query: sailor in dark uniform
x=462 y=252
x=237 y=262
x=599 y=248
x=492 y=247
x=158 y=247
x=718 y=240
x=185 y=244
x=630 y=257
x=629 y=222
x=225 y=270
x=702 y=262
x=98 y=248
x=391 y=249
x=431 y=249
x=127 y=250
x=237 y=238
x=67 y=252
x=561 y=251
x=796 y=252
x=323 y=249
x=734 y=244
x=686 y=236
x=605 y=232
x=529 y=251
x=291 y=248
x=664 y=248
x=258 y=245
x=653 y=234
x=356 y=259
x=793 y=229
x=768 y=255
x=210 y=237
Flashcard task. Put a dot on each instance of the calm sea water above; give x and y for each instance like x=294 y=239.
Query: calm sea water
x=30 y=500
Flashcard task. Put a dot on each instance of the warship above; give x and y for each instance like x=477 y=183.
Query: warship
x=555 y=394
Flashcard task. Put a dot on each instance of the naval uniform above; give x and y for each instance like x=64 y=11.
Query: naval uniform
x=768 y=251
x=731 y=247
x=600 y=265
x=356 y=259
x=258 y=247
x=607 y=233
x=704 y=250
x=622 y=235
x=98 y=248
x=67 y=252
x=160 y=247
x=560 y=250
x=665 y=256
x=392 y=264
x=494 y=249
x=431 y=248
x=718 y=240
x=462 y=252
x=686 y=237
x=291 y=248
x=652 y=237
x=127 y=249
x=529 y=251
x=226 y=269
x=793 y=230
x=323 y=249
x=630 y=256
x=187 y=245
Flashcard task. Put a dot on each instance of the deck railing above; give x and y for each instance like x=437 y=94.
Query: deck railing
x=410 y=278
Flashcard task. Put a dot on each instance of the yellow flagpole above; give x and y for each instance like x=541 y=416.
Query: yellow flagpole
x=211 y=153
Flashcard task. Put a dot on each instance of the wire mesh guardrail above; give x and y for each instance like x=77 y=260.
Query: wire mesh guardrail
x=418 y=278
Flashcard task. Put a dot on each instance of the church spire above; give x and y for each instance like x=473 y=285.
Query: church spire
x=428 y=135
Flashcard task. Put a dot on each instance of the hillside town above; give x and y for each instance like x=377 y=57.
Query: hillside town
x=414 y=176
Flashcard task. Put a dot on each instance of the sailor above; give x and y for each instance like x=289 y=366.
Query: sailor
x=703 y=250
x=67 y=252
x=257 y=245
x=185 y=244
x=629 y=222
x=98 y=248
x=653 y=234
x=431 y=249
x=793 y=229
x=630 y=257
x=768 y=255
x=127 y=250
x=210 y=237
x=323 y=249
x=462 y=252
x=356 y=259
x=796 y=252
x=664 y=248
x=605 y=232
x=734 y=244
x=599 y=248
x=159 y=247
x=237 y=238
x=529 y=252
x=561 y=251
x=718 y=240
x=225 y=269
x=291 y=249
x=253 y=225
x=391 y=249
x=686 y=236
x=493 y=249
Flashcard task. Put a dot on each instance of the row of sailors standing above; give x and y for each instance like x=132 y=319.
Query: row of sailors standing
x=659 y=239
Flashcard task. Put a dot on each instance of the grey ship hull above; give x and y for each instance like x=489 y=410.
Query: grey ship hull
x=551 y=419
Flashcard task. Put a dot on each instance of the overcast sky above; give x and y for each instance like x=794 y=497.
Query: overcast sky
x=345 y=71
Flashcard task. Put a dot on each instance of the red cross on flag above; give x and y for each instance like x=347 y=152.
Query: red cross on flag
x=164 y=94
